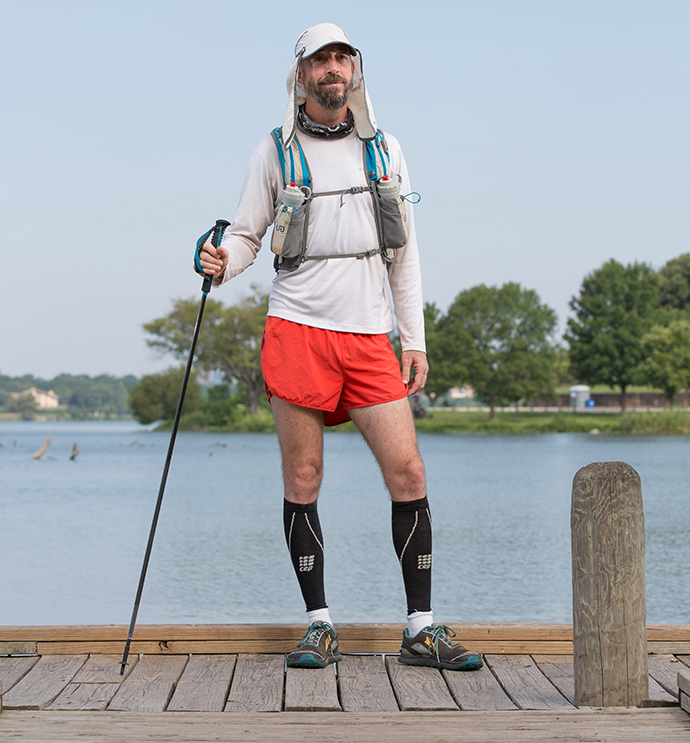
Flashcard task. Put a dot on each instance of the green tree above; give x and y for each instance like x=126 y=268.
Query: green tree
x=499 y=340
x=441 y=374
x=675 y=283
x=24 y=405
x=667 y=362
x=229 y=339
x=156 y=396
x=616 y=306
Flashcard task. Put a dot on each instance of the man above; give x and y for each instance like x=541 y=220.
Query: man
x=326 y=357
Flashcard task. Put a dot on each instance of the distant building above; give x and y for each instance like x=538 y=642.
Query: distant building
x=43 y=399
x=462 y=393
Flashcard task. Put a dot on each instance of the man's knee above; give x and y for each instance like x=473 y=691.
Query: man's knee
x=302 y=483
x=415 y=474
x=409 y=479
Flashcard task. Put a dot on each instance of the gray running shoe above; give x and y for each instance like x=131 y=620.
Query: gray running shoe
x=317 y=649
x=433 y=647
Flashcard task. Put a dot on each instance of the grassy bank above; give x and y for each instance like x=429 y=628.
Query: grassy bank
x=665 y=422
x=448 y=421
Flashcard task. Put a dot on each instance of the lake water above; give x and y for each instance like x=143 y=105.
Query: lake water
x=73 y=533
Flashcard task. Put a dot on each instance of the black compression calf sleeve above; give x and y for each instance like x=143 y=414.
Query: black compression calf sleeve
x=305 y=544
x=412 y=541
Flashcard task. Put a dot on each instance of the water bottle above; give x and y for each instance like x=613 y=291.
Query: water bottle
x=289 y=224
x=392 y=216
x=388 y=188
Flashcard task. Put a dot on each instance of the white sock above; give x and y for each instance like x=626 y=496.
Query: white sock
x=319 y=615
x=417 y=621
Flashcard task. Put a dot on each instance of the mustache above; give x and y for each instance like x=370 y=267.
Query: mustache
x=332 y=78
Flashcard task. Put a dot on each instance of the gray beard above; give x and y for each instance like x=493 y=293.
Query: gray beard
x=328 y=99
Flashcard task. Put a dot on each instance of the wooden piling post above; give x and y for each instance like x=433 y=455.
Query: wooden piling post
x=609 y=604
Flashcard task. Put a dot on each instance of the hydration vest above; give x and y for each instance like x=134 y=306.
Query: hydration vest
x=289 y=240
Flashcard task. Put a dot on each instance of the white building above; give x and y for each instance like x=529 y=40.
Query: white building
x=462 y=393
x=43 y=399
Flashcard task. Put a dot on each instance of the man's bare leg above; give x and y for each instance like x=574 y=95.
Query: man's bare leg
x=389 y=430
x=300 y=434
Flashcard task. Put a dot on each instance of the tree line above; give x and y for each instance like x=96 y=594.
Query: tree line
x=630 y=325
x=80 y=396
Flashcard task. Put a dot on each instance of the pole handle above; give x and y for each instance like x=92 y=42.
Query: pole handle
x=216 y=239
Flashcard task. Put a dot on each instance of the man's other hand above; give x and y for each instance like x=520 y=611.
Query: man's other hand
x=414 y=360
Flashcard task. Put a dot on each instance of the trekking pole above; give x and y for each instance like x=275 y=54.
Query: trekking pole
x=215 y=235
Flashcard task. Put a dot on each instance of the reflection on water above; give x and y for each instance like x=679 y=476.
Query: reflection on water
x=74 y=532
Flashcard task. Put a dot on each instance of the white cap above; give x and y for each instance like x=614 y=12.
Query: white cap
x=309 y=43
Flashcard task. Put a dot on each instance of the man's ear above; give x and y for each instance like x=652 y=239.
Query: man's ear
x=299 y=75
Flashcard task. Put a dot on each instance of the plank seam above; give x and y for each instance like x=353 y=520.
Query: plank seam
x=398 y=701
x=560 y=693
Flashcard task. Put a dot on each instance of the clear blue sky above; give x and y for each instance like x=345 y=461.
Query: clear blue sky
x=545 y=137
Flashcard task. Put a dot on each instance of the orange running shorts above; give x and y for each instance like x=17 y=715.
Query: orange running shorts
x=328 y=370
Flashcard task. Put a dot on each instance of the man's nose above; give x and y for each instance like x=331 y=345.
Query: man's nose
x=332 y=64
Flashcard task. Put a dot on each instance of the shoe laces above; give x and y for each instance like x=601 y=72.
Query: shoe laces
x=313 y=634
x=440 y=632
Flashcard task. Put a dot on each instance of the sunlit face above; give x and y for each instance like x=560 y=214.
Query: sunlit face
x=327 y=76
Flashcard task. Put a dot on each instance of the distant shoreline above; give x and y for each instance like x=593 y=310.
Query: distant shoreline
x=672 y=422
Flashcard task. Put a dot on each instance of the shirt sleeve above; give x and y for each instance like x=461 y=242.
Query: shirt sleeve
x=259 y=201
x=404 y=274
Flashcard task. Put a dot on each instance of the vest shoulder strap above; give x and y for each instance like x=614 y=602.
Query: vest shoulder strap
x=378 y=159
x=292 y=160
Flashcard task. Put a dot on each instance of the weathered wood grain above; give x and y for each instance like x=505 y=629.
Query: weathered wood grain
x=231 y=647
x=477 y=690
x=38 y=688
x=609 y=606
x=664 y=670
x=662 y=725
x=684 y=701
x=521 y=639
x=683 y=681
x=364 y=684
x=204 y=684
x=311 y=689
x=257 y=685
x=150 y=685
x=87 y=697
x=525 y=683
x=104 y=669
x=684 y=659
x=17 y=648
x=559 y=670
x=657 y=696
x=418 y=688
x=13 y=670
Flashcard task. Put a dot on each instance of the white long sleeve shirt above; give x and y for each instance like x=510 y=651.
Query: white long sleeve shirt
x=345 y=294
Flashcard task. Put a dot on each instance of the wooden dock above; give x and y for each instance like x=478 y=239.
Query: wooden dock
x=212 y=682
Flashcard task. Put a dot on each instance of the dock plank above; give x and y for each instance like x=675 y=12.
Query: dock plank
x=560 y=671
x=364 y=684
x=311 y=689
x=661 y=725
x=257 y=685
x=204 y=684
x=477 y=690
x=13 y=670
x=44 y=682
x=524 y=683
x=85 y=697
x=657 y=696
x=150 y=685
x=419 y=688
x=104 y=669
